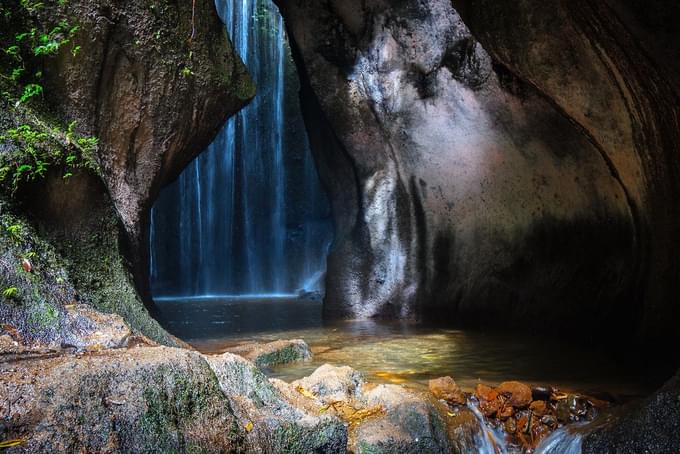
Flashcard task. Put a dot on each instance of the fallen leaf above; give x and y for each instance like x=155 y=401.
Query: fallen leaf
x=249 y=426
x=11 y=443
x=304 y=392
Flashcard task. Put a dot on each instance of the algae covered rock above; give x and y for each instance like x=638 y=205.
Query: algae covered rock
x=274 y=423
x=274 y=353
x=411 y=424
x=147 y=399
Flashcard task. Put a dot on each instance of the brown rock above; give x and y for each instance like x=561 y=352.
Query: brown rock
x=485 y=393
x=506 y=412
x=538 y=432
x=510 y=426
x=519 y=394
x=538 y=407
x=445 y=388
x=489 y=408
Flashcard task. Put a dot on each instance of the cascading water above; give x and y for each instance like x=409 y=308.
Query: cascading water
x=248 y=216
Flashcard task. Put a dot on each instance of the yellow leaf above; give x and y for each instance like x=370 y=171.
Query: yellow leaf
x=304 y=392
x=249 y=426
x=11 y=443
x=450 y=414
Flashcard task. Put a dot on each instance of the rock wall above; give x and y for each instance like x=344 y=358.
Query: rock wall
x=606 y=66
x=153 y=82
x=459 y=189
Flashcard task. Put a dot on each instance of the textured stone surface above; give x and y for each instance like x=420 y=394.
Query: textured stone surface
x=277 y=424
x=139 y=400
x=459 y=191
x=153 y=82
x=411 y=424
x=652 y=425
x=273 y=353
x=331 y=383
x=601 y=64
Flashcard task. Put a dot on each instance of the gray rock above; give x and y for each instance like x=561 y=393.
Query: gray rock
x=275 y=423
x=88 y=329
x=412 y=423
x=147 y=399
x=273 y=353
x=462 y=191
x=331 y=383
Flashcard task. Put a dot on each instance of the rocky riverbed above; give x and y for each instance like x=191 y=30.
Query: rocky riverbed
x=112 y=391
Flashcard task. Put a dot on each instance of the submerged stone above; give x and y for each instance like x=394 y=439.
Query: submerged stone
x=274 y=353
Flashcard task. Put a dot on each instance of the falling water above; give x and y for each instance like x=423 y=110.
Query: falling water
x=248 y=216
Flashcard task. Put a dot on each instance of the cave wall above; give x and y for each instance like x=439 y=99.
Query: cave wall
x=608 y=66
x=461 y=187
x=153 y=81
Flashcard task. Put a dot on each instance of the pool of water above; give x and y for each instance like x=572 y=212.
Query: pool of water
x=398 y=352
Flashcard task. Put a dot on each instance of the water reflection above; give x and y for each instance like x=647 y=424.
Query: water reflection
x=397 y=352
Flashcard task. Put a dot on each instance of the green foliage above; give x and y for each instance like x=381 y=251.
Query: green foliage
x=25 y=51
x=14 y=232
x=40 y=150
x=10 y=292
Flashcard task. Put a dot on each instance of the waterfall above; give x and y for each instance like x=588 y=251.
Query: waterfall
x=249 y=215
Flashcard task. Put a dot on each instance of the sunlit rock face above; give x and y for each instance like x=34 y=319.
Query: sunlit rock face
x=459 y=191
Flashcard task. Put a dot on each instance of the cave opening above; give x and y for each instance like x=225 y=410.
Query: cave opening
x=240 y=242
x=248 y=218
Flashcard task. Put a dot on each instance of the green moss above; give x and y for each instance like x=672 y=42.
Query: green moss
x=295 y=438
x=174 y=402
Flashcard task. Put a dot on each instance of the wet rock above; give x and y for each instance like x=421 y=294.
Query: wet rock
x=483 y=392
x=510 y=426
x=88 y=329
x=445 y=388
x=505 y=412
x=563 y=412
x=519 y=394
x=464 y=430
x=331 y=384
x=411 y=423
x=538 y=407
x=550 y=421
x=577 y=405
x=541 y=392
x=274 y=353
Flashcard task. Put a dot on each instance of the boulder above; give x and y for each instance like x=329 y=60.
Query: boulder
x=331 y=384
x=146 y=399
x=518 y=394
x=275 y=423
x=274 y=353
x=445 y=388
x=459 y=191
x=411 y=423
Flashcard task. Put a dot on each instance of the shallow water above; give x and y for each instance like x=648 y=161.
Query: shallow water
x=397 y=352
